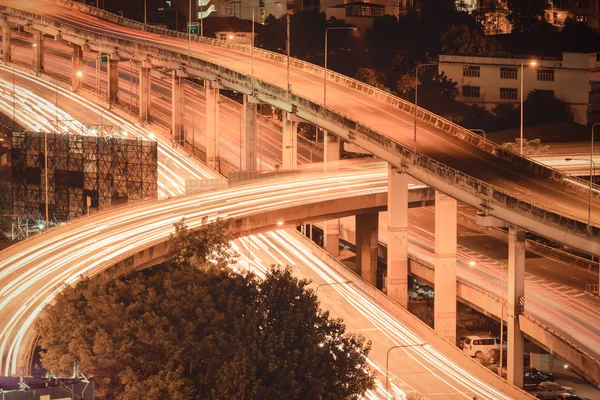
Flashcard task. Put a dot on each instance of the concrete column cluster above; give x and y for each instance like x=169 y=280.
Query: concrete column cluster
x=178 y=107
x=444 y=304
x=516 y=292
x=76 y=66
x=332 y=227
x=289 y=141
x=249 y=142
x=38 y=52
x=367 y=227
x=397 y=235
x=145 y=91
x=212 y=125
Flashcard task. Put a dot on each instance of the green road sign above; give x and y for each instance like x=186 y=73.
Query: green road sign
x=104 y=58
x=193 y=28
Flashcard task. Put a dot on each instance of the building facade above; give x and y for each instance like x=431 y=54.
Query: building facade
x=574 y=78
x=586 y=11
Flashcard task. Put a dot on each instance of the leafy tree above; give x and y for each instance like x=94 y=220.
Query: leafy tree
x=542 y=107
x=534 y=146
x=371 y=77
x=469 y=40
x=527 y=15
x=194 y=328
x=506 y=116
x=478 y=117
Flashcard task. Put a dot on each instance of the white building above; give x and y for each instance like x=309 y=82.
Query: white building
x=574 y=78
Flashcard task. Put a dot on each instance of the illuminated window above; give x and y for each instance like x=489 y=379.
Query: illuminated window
x=471 y=91
x=471 y=70
x=508 y=94
x=508 y=72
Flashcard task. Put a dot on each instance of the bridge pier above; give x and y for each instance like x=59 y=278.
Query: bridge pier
x=516 y=292
x=76 y=65
x=445 y=267
x=212 y=124
x=38 y=52
x=145 y=91
x=249 y=134
x=289 y=141
x=397 y=234
x=178 y=107
x=113 y=79
x=367 y=226
x=6 y=36
x=332 y=226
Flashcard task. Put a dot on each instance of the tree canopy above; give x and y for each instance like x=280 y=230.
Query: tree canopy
x=194 y=328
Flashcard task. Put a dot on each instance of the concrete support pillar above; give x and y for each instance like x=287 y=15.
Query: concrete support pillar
x=212 y=125
x=397 y=234
x=332 y=227
x=145 y=91
x=178 y=107
x=249 y=134
x=113 y=79
x=76 y=67
x=516 y=292
x=366 y=246
x=6 y=36
x=445 y=267
x=38 y=51
x=290 y=141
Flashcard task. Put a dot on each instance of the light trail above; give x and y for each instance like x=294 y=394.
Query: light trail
x=88 y=246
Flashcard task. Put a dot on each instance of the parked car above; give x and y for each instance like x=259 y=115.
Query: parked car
x=474 y=346
x=569 y=396
x=533 y=377
x=551 y=390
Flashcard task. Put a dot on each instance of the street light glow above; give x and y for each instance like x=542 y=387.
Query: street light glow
x=532 y=63
x=79 y=74
x=472 y=263
x=280 y=223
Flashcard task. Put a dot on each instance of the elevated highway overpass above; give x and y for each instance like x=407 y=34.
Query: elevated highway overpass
x=458 y=164
x=115 y=240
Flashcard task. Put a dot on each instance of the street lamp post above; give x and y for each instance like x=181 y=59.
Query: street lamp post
x=387 y=360
x=479 y=130
x=331 y=284
x=531 y=63
x=592 y=173
x=416 y=100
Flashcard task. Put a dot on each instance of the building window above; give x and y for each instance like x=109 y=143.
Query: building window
x=470 y=91
x=508 y=94
x=582 y=4
x=545 y=75
x=508 y=72
x=581 y=18
x=471 y=70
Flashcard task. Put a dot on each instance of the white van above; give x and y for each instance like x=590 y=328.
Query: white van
x=475 y=345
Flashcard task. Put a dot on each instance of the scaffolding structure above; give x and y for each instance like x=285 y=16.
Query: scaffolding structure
x=109 y=170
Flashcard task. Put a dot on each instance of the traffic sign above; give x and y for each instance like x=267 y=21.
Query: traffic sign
x=104 y=58
x=193 y=28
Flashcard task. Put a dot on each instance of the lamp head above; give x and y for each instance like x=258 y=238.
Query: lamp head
x=79 y=74
x=532 y=63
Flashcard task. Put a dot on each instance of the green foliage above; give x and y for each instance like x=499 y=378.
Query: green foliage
x=371 y=77
x=542 y=107
x=194 y=329
x=527 y=15
x=469 y=40
x=530 y=147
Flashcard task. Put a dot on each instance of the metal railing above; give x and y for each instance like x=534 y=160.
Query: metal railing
x=485 y=191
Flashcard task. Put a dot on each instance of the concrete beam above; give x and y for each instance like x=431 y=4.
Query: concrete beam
x=76 y=67
x=212 y=125
x=177 y=108
x=445 y=267
x=397 y=257
x=249 y=152
x=367 y=227
x=289 y=141
x=145 y=91
x=113 y=79
x=516 y=293
x=6 y=38
x=38 y=52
